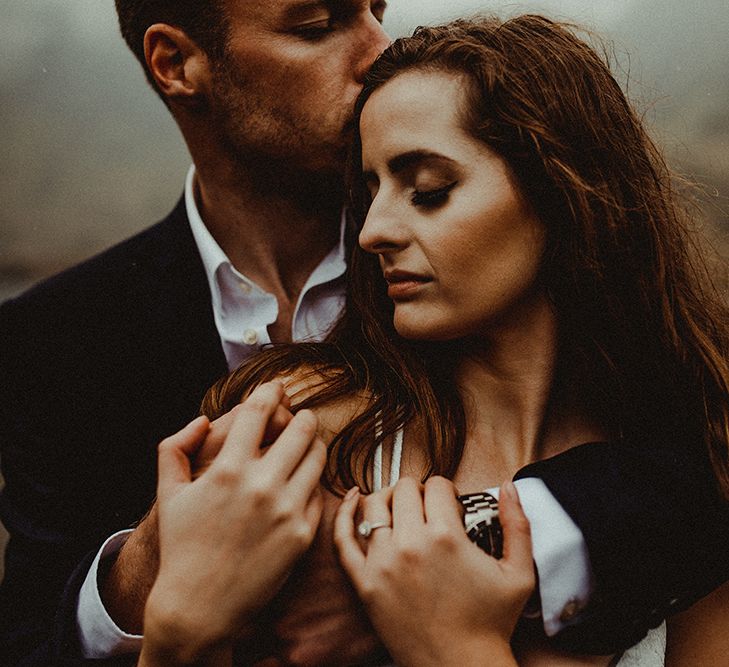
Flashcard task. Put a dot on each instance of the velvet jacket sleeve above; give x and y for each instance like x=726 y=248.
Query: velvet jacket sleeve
x=656 y=528
x=97 y=365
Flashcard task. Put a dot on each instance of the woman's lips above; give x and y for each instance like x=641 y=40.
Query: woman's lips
x=401 y=285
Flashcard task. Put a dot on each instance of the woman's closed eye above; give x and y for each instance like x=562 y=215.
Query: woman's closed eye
x=434 y=197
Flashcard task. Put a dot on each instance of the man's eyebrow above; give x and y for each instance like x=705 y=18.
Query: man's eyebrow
x=303 y=10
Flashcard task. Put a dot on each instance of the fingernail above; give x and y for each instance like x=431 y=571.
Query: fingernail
x=351 y=493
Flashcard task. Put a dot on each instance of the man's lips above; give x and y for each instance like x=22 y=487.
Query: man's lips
x=401 y=284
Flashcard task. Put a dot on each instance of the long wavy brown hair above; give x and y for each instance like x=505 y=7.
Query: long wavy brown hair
x=641 y=325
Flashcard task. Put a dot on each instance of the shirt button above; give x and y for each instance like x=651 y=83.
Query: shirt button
x=250 y=336
x=569 y=611
x=244 y=287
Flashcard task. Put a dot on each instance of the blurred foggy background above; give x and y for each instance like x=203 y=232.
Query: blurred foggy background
x=90 y=155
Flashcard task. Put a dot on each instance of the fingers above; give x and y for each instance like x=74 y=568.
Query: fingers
x=407 y=505
x=220 y=428
x=250 y=420
x=350 y=553
x=376 y=510
x=517 y=533
x=278 y=422
x=290 y=447
x=441 y=504
x=174 y=455
x=214 y=440
x=306 y=476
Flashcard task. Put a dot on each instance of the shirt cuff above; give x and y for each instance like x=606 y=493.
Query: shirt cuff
x=560 y=555
x=99 y=636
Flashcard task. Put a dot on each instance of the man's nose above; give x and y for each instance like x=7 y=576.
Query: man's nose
x=374 y=42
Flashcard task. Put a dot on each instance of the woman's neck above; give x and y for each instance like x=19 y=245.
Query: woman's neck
x=516 y=399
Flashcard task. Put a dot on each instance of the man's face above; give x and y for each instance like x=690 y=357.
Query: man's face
x=293 y=68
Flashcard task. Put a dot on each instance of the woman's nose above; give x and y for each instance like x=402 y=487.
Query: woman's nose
x=381 y=232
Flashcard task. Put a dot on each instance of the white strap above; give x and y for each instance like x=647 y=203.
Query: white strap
x=396 y=456
x=394 y=464
x=377 y=467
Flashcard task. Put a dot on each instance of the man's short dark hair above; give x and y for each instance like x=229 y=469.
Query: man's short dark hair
x=204 y=21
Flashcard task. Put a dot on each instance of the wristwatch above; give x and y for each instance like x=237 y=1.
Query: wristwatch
x=481 y=520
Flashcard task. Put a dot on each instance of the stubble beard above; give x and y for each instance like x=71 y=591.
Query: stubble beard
x=274 y=146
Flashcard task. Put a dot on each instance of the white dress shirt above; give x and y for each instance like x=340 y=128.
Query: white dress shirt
x=242 y=313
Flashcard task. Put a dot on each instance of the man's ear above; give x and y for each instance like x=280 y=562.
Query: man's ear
x=178 y=65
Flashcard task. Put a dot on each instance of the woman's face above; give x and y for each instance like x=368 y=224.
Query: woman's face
x=458 y=243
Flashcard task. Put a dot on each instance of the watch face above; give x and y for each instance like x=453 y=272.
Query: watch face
x=488 y=537
x=481 y=520
x=475 y=534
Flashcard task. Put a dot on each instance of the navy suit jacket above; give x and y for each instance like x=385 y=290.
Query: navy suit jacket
x=100 y=363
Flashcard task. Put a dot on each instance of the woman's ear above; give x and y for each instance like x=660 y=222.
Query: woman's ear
x=179 y=66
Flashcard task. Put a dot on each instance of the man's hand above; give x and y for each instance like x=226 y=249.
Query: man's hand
x=125 y=587
x=228 y=539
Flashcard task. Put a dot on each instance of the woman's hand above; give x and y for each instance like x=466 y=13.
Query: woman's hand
x=126 y=587
x=433 y=596
x=229 y=538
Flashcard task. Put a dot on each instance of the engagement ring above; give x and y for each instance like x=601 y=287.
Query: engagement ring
x=365 y=528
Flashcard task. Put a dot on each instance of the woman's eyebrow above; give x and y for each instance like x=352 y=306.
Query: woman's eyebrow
x=407 y=161
x=415 y=158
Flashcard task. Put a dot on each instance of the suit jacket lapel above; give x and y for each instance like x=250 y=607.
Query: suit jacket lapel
x=184 y=355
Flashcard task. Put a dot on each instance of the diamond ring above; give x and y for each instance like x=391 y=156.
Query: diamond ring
x=365 y=528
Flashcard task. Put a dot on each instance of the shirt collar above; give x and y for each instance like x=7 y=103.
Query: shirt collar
x=211 y=253
x=220 y=272
x=331 y=267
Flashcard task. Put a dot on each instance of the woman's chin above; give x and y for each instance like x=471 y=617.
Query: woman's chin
x=421 y=329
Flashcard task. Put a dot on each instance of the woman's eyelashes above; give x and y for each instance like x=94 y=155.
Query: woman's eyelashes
x=432 y=198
